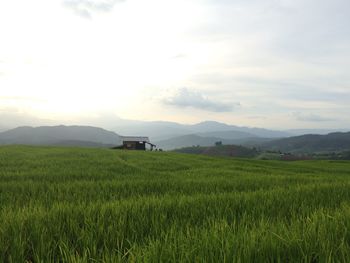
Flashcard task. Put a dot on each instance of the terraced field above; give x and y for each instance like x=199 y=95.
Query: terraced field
x=98 y=205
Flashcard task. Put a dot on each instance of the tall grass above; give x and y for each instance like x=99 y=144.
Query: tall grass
x=81 y=205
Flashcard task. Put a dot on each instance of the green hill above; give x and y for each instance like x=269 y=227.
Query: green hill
x=199 y=140
x=100 y=205
x=222 y=150
x=312 y=143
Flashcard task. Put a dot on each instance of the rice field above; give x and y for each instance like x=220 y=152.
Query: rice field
x=101 y=205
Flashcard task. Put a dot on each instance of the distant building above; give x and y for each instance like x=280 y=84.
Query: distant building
x=136 y=143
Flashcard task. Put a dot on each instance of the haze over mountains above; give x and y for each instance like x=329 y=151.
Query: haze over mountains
x=170 y=135
x=159 y=130
x=156 y=130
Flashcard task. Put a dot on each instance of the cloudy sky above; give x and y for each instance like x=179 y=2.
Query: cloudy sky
x=266 y=63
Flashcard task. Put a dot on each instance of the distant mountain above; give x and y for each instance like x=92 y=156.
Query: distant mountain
x=196 y=140
x=211 y=126
x=311 y=143
x=297 y=132
x=185 y=141
x=165 y=130
x=228 y=135
x=155 y=130
x=2 y=128
x=60 y=135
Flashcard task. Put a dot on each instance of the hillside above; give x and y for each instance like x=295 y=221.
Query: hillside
x=185 y=141
x=197 y=140
x=311 y=143
x=298 y=132
x=101 y=205
x=222 y=150
x=60 y=135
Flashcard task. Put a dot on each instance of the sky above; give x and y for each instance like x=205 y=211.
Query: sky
x=278 y=64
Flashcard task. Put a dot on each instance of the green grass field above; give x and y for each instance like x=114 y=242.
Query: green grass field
x=97 y=205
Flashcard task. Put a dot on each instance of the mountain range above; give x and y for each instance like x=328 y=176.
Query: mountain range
x=166 y=135
x=60 y=135
x=160 y=130
x=169 y=135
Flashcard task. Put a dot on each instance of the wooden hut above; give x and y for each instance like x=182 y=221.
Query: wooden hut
x=136 y=143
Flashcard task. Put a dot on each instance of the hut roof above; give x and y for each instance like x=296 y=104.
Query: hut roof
x=134 y=139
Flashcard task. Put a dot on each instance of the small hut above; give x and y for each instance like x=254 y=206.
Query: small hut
x=136 y=143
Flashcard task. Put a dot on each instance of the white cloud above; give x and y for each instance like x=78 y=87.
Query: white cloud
x=185 y=97
x=311 y=117
x=86 y=8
